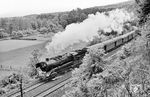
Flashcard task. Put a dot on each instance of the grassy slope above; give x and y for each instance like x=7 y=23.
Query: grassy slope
x=9 y=45
x=19 y=57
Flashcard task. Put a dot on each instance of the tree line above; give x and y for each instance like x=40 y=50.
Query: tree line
x=46 y=23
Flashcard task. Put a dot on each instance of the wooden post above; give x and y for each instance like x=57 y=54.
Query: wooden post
x=21 y=90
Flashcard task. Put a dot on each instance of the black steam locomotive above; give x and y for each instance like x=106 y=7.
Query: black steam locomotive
x=66 y=61
x=60 y=63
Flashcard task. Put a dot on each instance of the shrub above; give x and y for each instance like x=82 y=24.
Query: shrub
x=36 y=54
x=17 y=34
x=3 y=34
x=95 y=86
x=2 y=92
x=43 y=30
x=4 y=82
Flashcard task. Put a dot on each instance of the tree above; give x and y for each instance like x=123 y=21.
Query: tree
x=36 y=55
x=43 y=30
x=3 y=35
x=75 y=16
x=63 y=20
x=54 y=26
x=34 y=25
x=82 y=17
x=17 y=34
x=10 y=29
x=3 y=22
x=144 y=10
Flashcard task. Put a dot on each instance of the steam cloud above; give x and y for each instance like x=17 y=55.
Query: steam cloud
x=85 y=31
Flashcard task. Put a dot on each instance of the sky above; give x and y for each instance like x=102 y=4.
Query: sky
x=11 y=8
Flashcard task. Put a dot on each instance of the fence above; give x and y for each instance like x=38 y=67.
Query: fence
x=10 y=68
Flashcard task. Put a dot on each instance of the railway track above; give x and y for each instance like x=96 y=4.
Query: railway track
x=17 y=94
x=41 y=88
x=25 y=89
x=53 y=89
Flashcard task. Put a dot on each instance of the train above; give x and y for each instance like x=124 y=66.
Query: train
x=51 y=67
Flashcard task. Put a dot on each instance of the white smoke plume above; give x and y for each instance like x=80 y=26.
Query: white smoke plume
x=85 y=31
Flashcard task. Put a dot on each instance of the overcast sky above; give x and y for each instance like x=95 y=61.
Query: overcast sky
x=9 y=8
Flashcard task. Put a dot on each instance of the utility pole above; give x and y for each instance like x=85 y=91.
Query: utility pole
x=21 y=90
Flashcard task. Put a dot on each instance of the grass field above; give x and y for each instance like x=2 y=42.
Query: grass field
x=9 y=45
x=17 y=53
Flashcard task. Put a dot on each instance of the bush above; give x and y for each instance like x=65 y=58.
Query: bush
x=2 y=92
x=12 y=79
x=3 y=34
x=17 y=34
x=4 y=82
x=143 y=10
x=43 y=30
x=12 y=82
x=36 y=54
x=29 y=32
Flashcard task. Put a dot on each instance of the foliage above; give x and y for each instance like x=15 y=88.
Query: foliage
x=10 y=82
x=36 y=54
x=53 y=22
x=3 y=35
x=126 y=75
x=93 y=63
x=22 y=33
x=2 y=92
x=43 y=30
x=29 y=32
x=17 y=34
x=12 y=79
x=143 y=10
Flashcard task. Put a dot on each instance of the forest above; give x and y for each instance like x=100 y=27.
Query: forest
x=49 y=22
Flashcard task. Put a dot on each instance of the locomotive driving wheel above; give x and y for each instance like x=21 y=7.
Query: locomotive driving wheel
x=52 y=74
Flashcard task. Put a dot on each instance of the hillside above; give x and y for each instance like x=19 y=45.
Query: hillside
x=50 y=22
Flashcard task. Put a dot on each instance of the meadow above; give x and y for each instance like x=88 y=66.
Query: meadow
x=9 y=45
x=17 y=52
